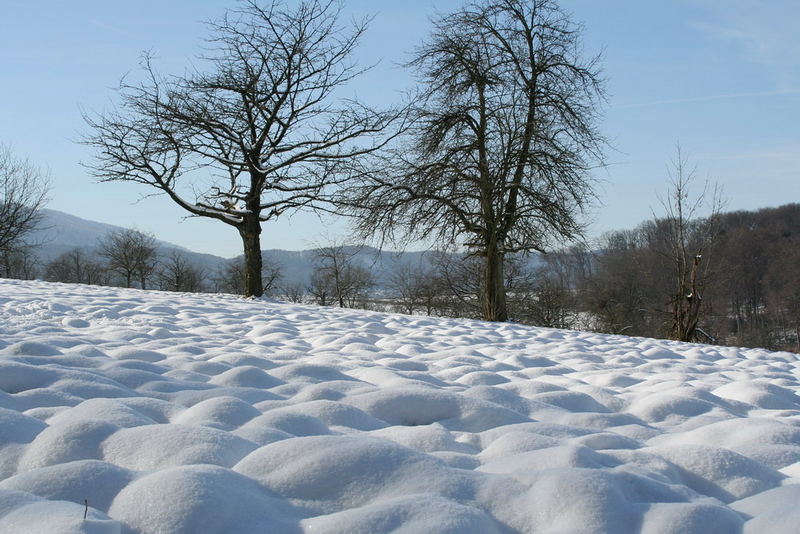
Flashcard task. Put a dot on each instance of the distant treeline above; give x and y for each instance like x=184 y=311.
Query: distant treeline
x=749 y=284
x=747 y=280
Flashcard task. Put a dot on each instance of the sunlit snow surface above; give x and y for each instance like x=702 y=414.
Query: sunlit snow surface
x=179 y=413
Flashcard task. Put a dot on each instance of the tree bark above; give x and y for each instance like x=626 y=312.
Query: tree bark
x=494 y=293
x=250 y=230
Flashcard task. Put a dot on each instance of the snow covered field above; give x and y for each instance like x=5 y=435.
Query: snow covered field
x=178 y=413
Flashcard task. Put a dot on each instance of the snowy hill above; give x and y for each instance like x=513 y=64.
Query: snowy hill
x=187 y=413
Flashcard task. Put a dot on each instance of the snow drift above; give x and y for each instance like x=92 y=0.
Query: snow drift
x=187 y=413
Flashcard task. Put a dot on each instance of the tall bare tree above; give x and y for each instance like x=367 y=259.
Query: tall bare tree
x=257 y=130
x=688 y=244
x=23 y=192
x=505 y=135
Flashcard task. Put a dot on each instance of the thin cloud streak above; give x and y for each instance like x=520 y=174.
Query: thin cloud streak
x=108 y=27
x=711 y=98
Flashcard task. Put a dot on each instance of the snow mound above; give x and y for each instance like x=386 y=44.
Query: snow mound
x=407 y=515
x=66 y=442
x=92 y=480
x=336 y=472
x=23 y=512
x=773 y=511
x=200 y=498
x=152 y=447
x=17 y=427
x=719 y=473
x=760 y=394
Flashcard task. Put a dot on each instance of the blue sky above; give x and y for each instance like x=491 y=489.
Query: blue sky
x=720 y=77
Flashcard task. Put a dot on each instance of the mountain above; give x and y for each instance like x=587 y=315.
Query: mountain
x=59 y=229
x=299 y=265
x=61 y=232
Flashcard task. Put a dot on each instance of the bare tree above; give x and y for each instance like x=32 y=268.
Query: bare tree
x=23 y=192
x=461 y=284
x=549 y=302
x=339 y=276
x=332 y=262
x=177 y=273
x=294 y=292
x=131 y=254
x=256 y=130
x=652 y=281
x=552 y=293
x=499 y=157
x=271 y=275
x=229 y=277
x=620 y=294
x=19 y=262
x=320 y=288
x=416 y=288
x=358 y=282
x=232 y=276
x=403 y=285
x=688 y=245
x=76 y=266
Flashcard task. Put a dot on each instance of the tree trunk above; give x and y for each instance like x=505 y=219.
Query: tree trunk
x=339 y=292
x=494 y=291
x=797 y=332
x=250 y=230
x=337 y=277
x=686 y=314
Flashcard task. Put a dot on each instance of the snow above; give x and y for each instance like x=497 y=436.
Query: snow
x=189 y=413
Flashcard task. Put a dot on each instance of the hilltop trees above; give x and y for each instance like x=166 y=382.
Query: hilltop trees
x=504 y=135
x=254 y=131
